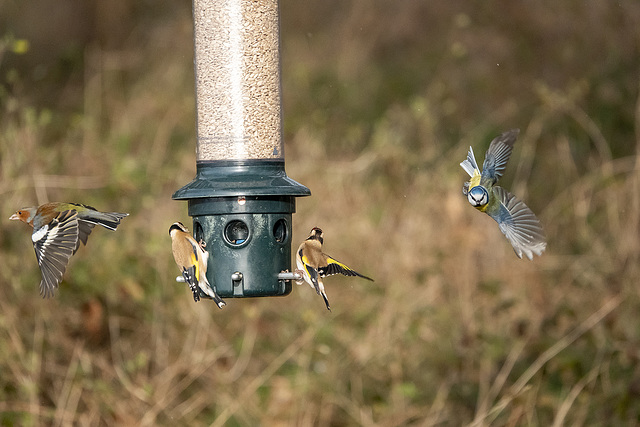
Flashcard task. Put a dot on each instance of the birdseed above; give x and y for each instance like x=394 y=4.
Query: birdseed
x=237 y=67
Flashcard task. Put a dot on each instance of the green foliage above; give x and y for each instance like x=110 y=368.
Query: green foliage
x=381 y=102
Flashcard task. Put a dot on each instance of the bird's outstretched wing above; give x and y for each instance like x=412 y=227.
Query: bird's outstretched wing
x=519 y=224
x=495 y=161
x=469 y=164
x=54 y=244
x=336 y=267
x=84 y=229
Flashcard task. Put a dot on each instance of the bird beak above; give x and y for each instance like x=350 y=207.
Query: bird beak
x=14 y=217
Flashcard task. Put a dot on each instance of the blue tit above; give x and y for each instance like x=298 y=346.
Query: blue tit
x=315 y=264
x=192 y=260
x=518 y=223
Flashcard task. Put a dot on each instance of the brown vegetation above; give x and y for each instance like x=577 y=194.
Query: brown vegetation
x=382 y=100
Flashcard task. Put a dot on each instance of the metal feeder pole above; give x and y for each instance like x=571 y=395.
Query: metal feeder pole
x=241 y=199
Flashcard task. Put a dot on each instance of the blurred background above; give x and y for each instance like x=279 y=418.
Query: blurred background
x=382 y=100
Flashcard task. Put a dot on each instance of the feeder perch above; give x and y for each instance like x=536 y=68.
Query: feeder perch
x=241 y=199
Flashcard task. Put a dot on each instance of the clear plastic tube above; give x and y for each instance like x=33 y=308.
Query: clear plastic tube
x=237 y=67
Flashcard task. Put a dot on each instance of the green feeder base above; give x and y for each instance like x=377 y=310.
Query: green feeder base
x=242 y=211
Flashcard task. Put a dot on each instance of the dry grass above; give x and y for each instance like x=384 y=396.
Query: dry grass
x=381 y=104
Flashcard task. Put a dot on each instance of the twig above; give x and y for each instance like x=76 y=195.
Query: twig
x=266 y=374
x=549 y=354
x=573 y=394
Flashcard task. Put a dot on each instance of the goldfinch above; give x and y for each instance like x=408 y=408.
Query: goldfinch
x=315 y=264
x=58 y=229
x=518 y=223
x=192 y=260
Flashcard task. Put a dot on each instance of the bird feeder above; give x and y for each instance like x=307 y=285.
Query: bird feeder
x=241 y=199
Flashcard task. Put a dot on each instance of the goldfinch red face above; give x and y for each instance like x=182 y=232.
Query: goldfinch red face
x=316 y=234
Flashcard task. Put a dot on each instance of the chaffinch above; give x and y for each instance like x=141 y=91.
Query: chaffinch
x=58 y=229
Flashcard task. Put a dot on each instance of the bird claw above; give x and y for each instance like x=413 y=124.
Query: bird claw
x=202 y=243
x=299 y=281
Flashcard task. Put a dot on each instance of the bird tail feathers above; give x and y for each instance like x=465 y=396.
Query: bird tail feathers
x=469 y=164
x=326 y=300
x=109 y=220
x=208 y=289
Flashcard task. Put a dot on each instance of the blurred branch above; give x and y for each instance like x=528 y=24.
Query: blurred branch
x=68 y=397
x=618 y=166
x=43 y=182
x=528 y=153
x=68 y=181
x=253 y=386
x=501 y=378
x=637 y=124
x=573 y=394
x=566 y=103
x=521 y=384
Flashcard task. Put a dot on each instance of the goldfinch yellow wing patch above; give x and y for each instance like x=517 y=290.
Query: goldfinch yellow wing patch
x=336 y=267
x=196 y=264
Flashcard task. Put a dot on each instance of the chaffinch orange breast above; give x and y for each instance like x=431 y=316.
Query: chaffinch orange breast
x=315 y=264
x=58 y=229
